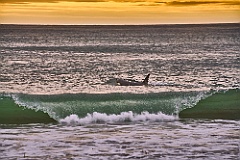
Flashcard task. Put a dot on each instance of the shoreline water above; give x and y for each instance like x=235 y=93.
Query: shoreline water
x=188 y=139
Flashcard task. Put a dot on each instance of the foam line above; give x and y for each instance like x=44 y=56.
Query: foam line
x=96 y=117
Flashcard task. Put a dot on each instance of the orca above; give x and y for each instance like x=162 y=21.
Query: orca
x=129 y=82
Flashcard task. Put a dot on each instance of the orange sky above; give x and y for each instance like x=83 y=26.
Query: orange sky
x=118 y=11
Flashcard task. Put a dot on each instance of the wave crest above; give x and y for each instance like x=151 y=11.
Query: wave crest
x=96 y=117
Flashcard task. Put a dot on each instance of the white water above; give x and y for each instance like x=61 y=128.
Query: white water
x=113 y=118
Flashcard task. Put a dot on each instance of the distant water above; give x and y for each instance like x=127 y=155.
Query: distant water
x=67 y=75
x=76 y=59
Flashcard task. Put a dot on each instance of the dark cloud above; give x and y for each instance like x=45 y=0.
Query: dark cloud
x=233 y=3
x=194 y=3
x=48 y=1
x=190 y=3
x=25 y=1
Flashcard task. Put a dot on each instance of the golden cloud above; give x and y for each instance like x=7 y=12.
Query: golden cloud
x=167 y=2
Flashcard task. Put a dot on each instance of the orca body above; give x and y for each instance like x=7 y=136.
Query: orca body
x=129 y=82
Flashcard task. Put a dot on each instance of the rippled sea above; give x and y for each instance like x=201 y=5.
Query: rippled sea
x=69 y=73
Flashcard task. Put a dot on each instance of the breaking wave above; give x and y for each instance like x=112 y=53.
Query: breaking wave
x=117 y=107
x=113 y=118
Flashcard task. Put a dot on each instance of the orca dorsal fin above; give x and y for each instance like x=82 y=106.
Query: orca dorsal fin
x=145 y=81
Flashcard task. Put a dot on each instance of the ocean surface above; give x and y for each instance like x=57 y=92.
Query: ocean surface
x=59 y=98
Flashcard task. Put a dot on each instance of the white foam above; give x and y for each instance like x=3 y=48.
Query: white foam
x=96 y=117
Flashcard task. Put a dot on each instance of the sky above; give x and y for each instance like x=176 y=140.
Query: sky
x=123 y=12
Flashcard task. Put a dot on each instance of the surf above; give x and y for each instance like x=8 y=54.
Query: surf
x=84 y=108
x=123 y=117
x=61 y=106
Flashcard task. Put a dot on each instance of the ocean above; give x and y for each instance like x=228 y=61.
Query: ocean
x=59 y=98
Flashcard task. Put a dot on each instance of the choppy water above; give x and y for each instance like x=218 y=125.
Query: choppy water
x=69 y=73
x=73 y=59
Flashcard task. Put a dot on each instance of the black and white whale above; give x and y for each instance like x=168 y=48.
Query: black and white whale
x=130 y=82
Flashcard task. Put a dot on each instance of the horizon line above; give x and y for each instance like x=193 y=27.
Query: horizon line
x=140 y=24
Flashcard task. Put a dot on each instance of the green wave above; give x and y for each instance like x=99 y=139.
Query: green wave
x=12 y=113
x=25 y=108
x=221 y=105
x=61 y=106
